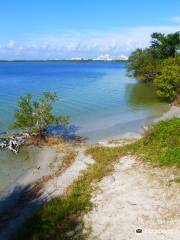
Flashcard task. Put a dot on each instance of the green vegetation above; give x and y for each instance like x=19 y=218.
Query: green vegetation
x=142 y=64
x=161 y=144
x=165 y=46
x=168 y=79
x=61 y=218
x=160 y=64
x=35 y=116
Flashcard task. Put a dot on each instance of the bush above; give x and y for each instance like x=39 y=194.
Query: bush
x=142 y=64
x=159 y=63
x=167 y=81
x=35 y=116
x=161 y=144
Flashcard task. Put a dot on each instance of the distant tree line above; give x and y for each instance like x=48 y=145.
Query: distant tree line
x=160 y=64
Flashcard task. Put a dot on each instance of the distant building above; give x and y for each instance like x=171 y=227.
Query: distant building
x=77 y=59
x=105 y=57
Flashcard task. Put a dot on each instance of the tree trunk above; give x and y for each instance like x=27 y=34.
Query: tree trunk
x=40 y=139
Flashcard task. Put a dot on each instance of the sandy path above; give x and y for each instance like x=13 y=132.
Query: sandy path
x=136 y=196
x=58 y=185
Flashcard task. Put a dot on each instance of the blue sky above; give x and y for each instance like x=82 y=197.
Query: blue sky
x=42 y=29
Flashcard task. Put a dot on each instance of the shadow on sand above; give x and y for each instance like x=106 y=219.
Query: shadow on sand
x=20 y=205
x=12 y=205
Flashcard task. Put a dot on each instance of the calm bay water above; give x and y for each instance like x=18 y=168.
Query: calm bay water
x=97 y=96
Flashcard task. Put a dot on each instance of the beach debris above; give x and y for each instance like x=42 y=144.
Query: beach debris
x=13 y=142
x=138 y=230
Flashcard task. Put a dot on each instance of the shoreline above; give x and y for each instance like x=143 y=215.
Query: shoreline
x=56 y=185
x=174 y=111
x=50 y=154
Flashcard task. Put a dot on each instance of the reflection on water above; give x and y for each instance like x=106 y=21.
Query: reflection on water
x=141 y=94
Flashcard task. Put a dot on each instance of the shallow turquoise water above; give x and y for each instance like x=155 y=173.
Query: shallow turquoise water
x=97 y=96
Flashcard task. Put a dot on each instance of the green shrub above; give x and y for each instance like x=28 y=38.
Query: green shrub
x=160 y=63
x=161 y=144
x=168 y=80
x=142 y=64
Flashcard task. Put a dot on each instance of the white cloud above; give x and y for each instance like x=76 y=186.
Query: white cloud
x=83 y=43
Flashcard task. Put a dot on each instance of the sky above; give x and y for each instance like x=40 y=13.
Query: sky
x=61 y=29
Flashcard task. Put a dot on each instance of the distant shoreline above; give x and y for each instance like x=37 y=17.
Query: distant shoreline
x=63 y=60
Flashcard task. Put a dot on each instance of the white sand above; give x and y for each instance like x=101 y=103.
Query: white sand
x=135 y=196
x=121 y=140
x=173 y=112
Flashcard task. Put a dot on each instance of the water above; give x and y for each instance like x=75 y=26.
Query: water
x=13 y=166
x=97 y=96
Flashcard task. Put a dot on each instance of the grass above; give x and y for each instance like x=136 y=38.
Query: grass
x=177 y=180
x=61 y=218
x=68 y=159
x=161 y=144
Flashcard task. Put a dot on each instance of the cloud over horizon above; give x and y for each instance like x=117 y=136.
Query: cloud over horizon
x=86 y=44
